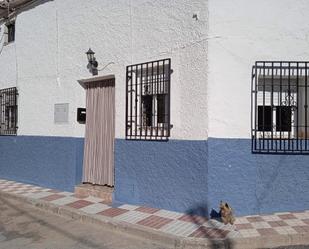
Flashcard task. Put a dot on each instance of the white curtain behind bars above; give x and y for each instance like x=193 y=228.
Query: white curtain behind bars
x=100 y=133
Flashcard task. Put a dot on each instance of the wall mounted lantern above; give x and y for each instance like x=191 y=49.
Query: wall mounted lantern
x=92 y=63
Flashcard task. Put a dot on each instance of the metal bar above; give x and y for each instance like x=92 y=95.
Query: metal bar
x=297 y=107
x=169 y=99
x=281 y=61
x=264 y=106
x=146 y=87
x=280 y=109
x=255 y=108
x=140 y=104
x=252 y=138
x=157 y=94
x=1 y=113
x=16 y=111
x=5 y=112
x=306 y=105
x=278 y=67
x=152 y=79
x=9 y=92
x=163 y=91
x=131 y=104
x=289 y=100
x=136 y=100
x=272 y=104
x=127 y=82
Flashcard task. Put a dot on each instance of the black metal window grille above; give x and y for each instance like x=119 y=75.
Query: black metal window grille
x=8 y=111
x=10 y=32
x=148 y=100
x=279 y=107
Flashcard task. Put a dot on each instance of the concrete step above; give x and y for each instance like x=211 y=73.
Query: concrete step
x=99 y=191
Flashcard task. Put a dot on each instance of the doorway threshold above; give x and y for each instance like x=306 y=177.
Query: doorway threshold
x=94 y=190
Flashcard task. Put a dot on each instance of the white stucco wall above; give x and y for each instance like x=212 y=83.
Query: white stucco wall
x=240 y=33
x=50 y=45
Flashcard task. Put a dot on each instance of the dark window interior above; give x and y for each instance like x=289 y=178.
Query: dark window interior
x=264 y=118
x=11 y=32
x=161 y=108
x=147 y=110
x=283 y=118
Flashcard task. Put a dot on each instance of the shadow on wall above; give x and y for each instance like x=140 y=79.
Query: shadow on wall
x=217 y=237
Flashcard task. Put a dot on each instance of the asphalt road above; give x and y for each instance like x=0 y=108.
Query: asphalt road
x=26 y=227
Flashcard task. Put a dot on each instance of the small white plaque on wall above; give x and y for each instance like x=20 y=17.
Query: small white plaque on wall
x=61 y=113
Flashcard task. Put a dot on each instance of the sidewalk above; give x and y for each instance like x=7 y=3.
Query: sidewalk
x=278 y=229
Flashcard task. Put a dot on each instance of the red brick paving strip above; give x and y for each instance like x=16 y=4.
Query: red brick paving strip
x=243 y=226
x=219 y=233
x=147 y=210
x=193 y=219
x=52 y=197
x=306 y=221
x=154 y=221
x=286 y=216
x=301 y=229
x=277 y=223
x=255 y=219
x=80 y=204
x=112 y=212
x=202 y=232
x=267 y=231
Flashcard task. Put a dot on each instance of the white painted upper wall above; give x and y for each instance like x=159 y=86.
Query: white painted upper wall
x=48 y=57
x=240 y=33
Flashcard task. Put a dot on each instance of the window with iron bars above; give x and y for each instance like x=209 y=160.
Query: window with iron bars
x=148 y=100
x=279 y=101
x=8 y=111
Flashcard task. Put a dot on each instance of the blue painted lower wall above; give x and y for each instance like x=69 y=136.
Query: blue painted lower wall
x=53 y=162
x=194 y=176
x=186 y=176
x=170 y=175
x=256 y=183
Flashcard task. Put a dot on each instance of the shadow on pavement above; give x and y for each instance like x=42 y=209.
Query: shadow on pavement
x=217 y=237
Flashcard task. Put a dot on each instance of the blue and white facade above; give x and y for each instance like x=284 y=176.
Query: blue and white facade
x=212 y=45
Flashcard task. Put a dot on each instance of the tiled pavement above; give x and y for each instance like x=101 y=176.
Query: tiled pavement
x=169 y=222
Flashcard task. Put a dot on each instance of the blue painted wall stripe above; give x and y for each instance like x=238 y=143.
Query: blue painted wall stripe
x=186 y=176
x=255 y=183
x=170 y=175
x=194 y=176
x=53 y=162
